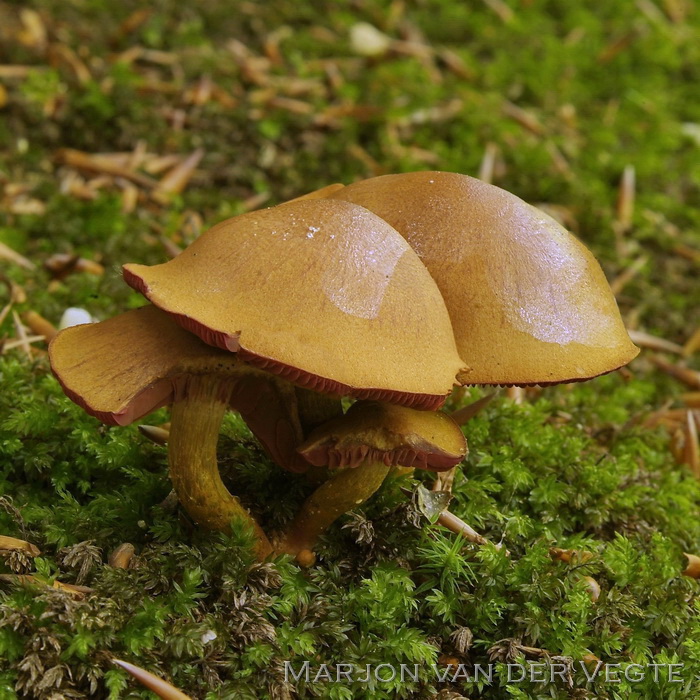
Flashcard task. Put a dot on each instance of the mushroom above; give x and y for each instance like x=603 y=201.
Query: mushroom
x=364 y=444
x=319 y=293
x=529 y=304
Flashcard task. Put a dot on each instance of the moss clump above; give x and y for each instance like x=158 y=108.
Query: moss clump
x=390 y=589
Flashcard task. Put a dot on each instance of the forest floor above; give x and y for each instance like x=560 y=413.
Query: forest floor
x=125 y=132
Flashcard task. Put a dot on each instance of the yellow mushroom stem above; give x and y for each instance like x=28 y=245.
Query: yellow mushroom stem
x=315 y=408
x=194 y=431
x=343 y=491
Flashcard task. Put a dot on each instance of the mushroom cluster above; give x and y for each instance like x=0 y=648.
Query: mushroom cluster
x=389 y=291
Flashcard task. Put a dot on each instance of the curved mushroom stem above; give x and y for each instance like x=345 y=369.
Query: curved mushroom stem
x=194 y=432
x=342 y=492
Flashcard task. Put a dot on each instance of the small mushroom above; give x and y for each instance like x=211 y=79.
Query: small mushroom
x=393 y=435
x=529 y=304
x=364 y=444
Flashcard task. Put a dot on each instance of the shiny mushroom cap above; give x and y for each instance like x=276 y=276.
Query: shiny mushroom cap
x=321 y=292
x=394 y=435
x=529 y=303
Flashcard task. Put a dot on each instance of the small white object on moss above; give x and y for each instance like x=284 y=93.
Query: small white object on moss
x=74 y=316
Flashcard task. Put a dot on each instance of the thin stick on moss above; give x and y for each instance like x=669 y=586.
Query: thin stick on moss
x=459 y=527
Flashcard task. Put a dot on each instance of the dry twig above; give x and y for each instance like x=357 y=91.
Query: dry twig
x=459 y=527
x=13 y=256
x=10 y=544
x=161 y=688
x=652 y=342
x=689 y=377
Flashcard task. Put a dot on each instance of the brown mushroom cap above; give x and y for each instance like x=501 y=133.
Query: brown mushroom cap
x=529 y=303
x=321 y=292
x=394 y=435
x=128 y=366
x=124 y=368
